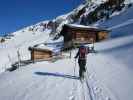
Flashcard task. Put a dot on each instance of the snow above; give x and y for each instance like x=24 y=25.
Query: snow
x=81 y=26
x=53 y=45
x=112 y=66
x=61 y=39
x=96 y=1
x=20 y=42
x=109 y=70
x=128 y=1
x=120 y=25
x=40 y=79
x=52 y=48
x=42 y=46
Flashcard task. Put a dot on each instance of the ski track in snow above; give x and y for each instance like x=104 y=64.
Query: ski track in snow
x=99 y=90
x=89 y=89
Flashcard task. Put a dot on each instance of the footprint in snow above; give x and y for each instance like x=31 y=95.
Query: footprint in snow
x=72 y=98
x=91 y=76
x=72 y=93
x=97 y=90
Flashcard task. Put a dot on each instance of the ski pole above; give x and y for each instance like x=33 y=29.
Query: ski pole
x=87 y=73
x=74 y=67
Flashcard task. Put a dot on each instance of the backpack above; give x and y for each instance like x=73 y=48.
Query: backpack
x=82 y=52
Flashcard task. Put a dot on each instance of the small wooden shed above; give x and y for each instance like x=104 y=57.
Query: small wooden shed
x=77 y=34
x=40 y=54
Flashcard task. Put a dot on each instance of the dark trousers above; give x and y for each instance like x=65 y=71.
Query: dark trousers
x=82 y=64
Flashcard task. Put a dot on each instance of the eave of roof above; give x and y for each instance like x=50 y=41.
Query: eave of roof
x=39 y=49
x=82 y=27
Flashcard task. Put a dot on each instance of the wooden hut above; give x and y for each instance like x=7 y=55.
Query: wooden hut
x=46 y=51
x=40 y=54
x=77 y=34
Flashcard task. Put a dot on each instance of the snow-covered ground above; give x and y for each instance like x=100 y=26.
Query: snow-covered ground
x=109 y=71
x=19 y=43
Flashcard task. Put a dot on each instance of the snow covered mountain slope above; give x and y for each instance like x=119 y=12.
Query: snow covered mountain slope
x=112 y=66
x=118 y=22
x=20 y=43
x=109 y=71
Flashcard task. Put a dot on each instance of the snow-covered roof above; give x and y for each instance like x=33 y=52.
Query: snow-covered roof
x=61 y=39
x=80 y=26
x=44 y=47
x=76 y=26
x=51 y=45
x=49 y=48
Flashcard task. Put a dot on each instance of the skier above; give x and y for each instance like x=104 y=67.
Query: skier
x=82 y=56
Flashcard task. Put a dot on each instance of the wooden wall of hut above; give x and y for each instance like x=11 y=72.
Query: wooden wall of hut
x=77 y=35
x=40 y=55
x=102 y=36
x=84 y=37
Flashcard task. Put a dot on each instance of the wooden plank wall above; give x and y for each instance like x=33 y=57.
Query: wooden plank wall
x=37 y=55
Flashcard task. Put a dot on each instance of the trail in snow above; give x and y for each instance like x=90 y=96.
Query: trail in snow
x=88 y=89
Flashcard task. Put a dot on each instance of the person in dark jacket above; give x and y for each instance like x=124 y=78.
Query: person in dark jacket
x=82 y=57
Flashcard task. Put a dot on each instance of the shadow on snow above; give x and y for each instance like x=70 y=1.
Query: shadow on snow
x=57 y=75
